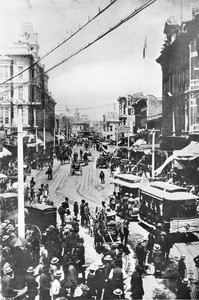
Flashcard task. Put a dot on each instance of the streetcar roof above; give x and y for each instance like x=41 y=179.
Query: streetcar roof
x=135 y=185
x=168 y=187
x=128 y=178
x=173 y=194
x=8 y=195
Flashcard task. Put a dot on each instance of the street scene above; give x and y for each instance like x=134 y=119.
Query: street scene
x=99 y=149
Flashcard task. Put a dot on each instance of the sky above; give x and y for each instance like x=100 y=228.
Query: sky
x=114 y=66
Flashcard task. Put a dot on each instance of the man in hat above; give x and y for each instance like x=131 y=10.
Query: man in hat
x=44 y=283
x=31 y=283
x=54 y=266
x=72 y=275
x=56 y=286
x=157 y=259
x=137 y=284
x=82 y=213
x=75 y=209
x=62 y=211
x=182 y=267
x=7 y=282
x=183 y=290
x=100 y=280
x=91 y=281
x=117 y=276
x=140 y=253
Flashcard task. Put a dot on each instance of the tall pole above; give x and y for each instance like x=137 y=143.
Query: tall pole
x=21 y=214
x=35 y=125
x=44 y=130
x=153 y=152
x=128 y=129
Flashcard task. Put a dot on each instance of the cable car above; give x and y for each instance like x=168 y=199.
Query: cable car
x=170 y=205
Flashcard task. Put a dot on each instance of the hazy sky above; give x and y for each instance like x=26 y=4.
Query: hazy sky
x=110 y=68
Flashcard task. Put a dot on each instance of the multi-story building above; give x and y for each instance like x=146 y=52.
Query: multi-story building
x=80 y=125
x=180 y=78
x=23 y=81
x=126 y=117
x=110 y=126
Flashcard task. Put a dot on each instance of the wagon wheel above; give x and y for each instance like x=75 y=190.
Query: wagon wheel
x=36 y=232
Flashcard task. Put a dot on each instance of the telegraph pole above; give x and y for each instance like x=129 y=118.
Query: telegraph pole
x=21 y=213
x=153 y=152
x=128 y=128
x=44 y=132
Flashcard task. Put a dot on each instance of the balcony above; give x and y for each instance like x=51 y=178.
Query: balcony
x=194 y=85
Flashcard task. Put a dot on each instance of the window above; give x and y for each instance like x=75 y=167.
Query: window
x=1 y=115
x=20 y=93
x=20 y=69
x=7 y=115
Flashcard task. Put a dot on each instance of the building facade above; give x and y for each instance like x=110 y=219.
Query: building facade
x=29 y=89
x=180 y=78
x=110 y=126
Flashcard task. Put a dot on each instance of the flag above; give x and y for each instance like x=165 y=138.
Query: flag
x=144 y=48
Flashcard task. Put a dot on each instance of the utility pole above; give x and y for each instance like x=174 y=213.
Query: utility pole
x=153 y=152
x=128 y=128
x=21 y=213
x=44 y=129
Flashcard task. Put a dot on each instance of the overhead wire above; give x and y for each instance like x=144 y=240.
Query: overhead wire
x=135 y=12
x=100 y=11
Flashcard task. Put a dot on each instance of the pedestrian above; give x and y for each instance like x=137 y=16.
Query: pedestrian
x=87 y=214
x=182 y=267
x=168 y=244
x=125 y=232
x=62 y=211
x=141 y=254
x=158 y=260
x=91 y=281
x=56 y=285
x=31 y=283
x=183 y=290
x=7 y=283
x=76 y=209
x=66 y=204
x=44 y=284
x=82 y=213
x=102 y=176
x=150 y=245
x=117 y=276
x=72 y=279
x=137 y=284
x=49 y=172
x=100 y=280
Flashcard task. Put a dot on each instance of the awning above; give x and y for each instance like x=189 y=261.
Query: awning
x=48 y=136
x=188 y=153
x=5 y=152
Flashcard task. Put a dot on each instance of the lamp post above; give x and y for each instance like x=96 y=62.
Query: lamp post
x=21 y=213
x=153 y=152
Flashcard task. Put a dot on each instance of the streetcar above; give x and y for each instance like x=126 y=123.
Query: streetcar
x=170 y=206
x=128 y=186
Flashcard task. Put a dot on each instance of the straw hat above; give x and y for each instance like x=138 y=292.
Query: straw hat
x=30 y=270
x=108 y=258
x=185 y=280
x=117 y=292
x=54 y=260
x=92 y=267
x=157 y=247
x=101 y=266
x=5 y=238
x=58 y=273
x=183 y=256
